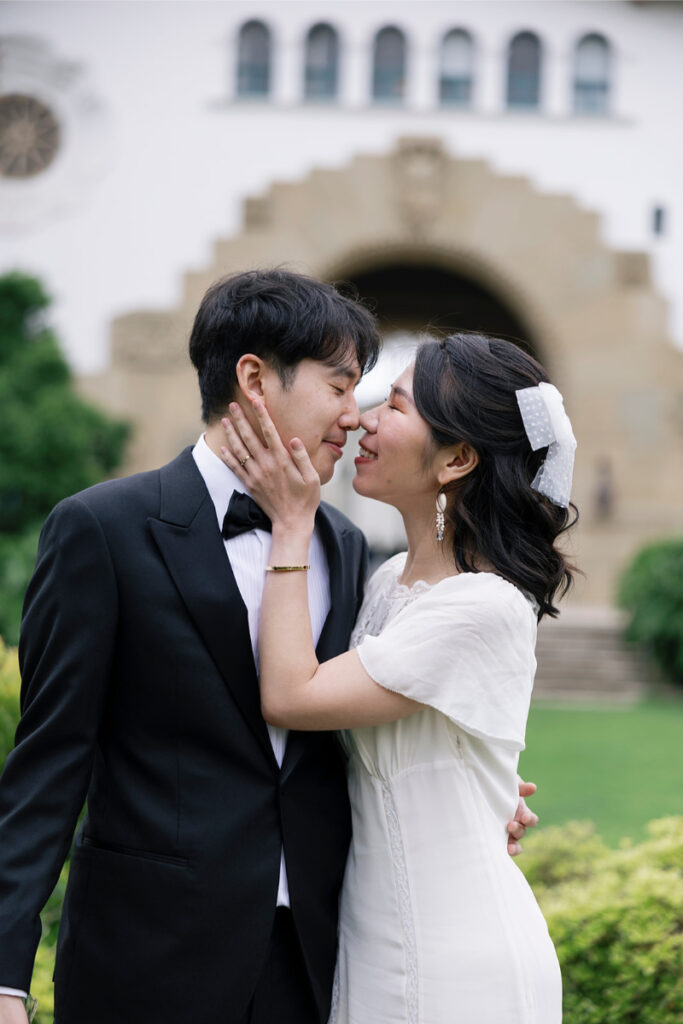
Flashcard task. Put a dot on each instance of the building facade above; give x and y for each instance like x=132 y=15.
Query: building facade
x=506 y=166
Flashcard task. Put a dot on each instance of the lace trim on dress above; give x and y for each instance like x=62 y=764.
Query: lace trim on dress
x=404 y=904
x=403 y=590
x=378 y=609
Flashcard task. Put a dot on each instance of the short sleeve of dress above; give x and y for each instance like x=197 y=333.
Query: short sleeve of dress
x=465 y=648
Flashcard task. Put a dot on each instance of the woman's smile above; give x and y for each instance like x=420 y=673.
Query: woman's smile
x=364 y=455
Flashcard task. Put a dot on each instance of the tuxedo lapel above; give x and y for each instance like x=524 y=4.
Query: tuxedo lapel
x=342 y=590
x=338 y=623
x=191 y=545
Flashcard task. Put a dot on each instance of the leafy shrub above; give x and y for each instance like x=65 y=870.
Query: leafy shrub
x=616 y=918
x=9 y=699
x=651 y=590
x=17 y=558
x=41 y=985
x=572 y=853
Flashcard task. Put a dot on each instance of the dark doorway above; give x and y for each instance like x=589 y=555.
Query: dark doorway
x=418 y=297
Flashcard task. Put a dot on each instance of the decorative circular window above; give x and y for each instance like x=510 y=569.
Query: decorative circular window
x=29 y=136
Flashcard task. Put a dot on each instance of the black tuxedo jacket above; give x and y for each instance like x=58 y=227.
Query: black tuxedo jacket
x=139 y=691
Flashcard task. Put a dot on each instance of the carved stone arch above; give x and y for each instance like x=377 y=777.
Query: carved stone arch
x=597 y=320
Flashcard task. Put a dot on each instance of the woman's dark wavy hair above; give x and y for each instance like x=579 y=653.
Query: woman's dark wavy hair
x=464 y=387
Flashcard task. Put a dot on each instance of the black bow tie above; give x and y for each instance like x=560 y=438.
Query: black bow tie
x=243 y=515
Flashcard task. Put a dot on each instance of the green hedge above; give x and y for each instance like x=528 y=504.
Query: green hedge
x=651 y=590
x=9 y=699
x=41 y=984
x=616 y=918
x=17 y=559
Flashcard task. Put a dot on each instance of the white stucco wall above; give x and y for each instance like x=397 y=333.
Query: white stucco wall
x=158 y=155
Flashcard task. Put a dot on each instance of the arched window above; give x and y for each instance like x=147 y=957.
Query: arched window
x=389 y=66
x=524 y=71
x=321 y=74
x=456 y=69
x=253 y=60
x=591 y=75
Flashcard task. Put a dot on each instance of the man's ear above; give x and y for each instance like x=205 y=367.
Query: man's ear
x=250 y=371
x=456 y=463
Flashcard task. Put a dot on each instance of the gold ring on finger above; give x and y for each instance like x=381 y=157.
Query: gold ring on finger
x=244 y=461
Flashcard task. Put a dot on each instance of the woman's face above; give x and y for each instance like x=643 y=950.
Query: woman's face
x=394 y=463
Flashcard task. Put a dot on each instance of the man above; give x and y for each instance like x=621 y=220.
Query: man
x=205 y=875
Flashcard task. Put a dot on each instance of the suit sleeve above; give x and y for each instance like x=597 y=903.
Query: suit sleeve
x=65 y=654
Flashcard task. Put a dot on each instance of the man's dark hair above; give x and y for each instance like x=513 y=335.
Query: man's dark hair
x=282 y=317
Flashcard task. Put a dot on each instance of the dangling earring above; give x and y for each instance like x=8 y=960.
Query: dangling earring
x=440 y=518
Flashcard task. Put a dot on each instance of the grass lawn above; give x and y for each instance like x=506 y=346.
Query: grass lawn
x=620 y=768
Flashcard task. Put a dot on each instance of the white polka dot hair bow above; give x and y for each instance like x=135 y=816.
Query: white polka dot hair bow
x=546 y=423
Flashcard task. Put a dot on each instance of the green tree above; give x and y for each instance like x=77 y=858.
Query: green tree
x=52 y=443
x=651 y=590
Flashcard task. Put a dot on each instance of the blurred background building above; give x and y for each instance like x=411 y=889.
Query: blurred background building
x=507 y=166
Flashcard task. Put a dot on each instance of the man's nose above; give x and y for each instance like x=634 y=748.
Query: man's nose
x=350 y=418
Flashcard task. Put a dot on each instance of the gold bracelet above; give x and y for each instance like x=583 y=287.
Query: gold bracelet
x=287 y=568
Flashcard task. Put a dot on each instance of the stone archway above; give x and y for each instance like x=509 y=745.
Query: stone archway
x=410 y=296
x=592 y=312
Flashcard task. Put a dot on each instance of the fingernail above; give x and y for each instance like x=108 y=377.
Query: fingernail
x=296 y=444
x=233 y=407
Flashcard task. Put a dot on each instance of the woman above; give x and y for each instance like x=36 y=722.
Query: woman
x=474 y=449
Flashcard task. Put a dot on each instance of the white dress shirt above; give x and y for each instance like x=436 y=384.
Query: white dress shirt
x=249 y=555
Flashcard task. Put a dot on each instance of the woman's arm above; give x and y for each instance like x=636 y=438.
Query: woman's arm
x=296 y=691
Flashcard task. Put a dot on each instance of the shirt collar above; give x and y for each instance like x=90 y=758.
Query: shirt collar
x=219 y=479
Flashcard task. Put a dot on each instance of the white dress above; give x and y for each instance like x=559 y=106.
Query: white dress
x=437 y=923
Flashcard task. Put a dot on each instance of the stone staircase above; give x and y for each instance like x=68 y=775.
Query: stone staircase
x=582 y=658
